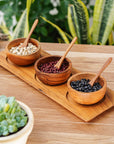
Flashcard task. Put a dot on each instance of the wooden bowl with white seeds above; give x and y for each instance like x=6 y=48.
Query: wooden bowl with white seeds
x=23 y=56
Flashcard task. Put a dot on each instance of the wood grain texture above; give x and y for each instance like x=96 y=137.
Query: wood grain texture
x=52 y=78
x=59 y=63
x=30 y=33
x=84 y=97
x=53 y=123
x=25 y=59
x=56 y=93
x=100 y=71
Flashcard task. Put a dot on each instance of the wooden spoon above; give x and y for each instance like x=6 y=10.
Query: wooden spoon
x=101 y=70
x=30 y=33
x=59 y=63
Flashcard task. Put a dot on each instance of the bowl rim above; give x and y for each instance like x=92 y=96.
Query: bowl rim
x=38 y=48
x=26 y=129
x=36 y=68
x=79 y=92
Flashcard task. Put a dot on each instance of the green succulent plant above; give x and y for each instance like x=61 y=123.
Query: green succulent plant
x=12 y=116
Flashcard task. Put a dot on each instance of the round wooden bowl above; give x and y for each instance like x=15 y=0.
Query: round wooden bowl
x=22 y=60
x=52 y=78
x=90 y=97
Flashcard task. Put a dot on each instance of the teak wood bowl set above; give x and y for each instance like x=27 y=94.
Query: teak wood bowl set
x=90 y=97
x=57 y=78
x=23 y=60
x=52 y=78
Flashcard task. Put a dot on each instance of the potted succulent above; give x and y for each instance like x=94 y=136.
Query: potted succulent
x=16 y=121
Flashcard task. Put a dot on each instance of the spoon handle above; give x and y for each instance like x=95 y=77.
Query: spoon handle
x=71 y=44
x=58 y=65
x=101 y=70
x=30 y=33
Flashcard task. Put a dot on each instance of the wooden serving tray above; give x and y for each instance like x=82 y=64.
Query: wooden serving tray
x=58 y=93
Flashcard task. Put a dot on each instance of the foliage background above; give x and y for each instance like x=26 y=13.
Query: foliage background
x=44 y=32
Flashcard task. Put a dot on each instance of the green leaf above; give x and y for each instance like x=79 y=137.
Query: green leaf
x=4 y=123
x=5 y=133
x=97 y=16
x=79 y=21
x=5 y=30
x=12 y=128
x=2 y=116
x=33 y=1
x=21 y=27
x=61 y=32
x=3 y=101
x=23 y=121
x=11 y=100
x=90 y=34
x=103 y=20
x=47 y=2
x=63 y=8
x=28 y=5
x=71 y=22
x=18 y=119
x=69 y=36
x=1 y=130
x=44 y=31
x=6 y=107
x=8 y=17
x=110 y=40
x=86 y=1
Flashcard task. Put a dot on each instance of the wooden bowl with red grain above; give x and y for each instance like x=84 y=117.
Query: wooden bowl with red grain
x=52 y=78
x=23 y=60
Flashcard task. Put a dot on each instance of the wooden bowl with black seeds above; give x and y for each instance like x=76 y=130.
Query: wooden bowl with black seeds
x=81 y=92
x=48 y=74
x=23 y=60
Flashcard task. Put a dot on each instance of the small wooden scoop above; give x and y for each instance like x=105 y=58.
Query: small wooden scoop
x=59 y=63
x=30 y=33
x=101 y=70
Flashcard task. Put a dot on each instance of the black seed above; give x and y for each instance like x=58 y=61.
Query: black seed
x=84 y=86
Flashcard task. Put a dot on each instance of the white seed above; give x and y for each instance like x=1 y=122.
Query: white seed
x=24 y=50
x=23 y=53
x=15 y=51
x=18 y=53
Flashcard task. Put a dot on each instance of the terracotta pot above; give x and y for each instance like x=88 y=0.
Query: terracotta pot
x=83 y=97
x=22 y=60
x=21 y=136
x=52 y=78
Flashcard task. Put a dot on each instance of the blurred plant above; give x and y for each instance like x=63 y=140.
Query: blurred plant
x=55 y=10
x=22 y=27
x=103 y=21
x=45 y=8
x=3 y=37
x=12 y=116
x=4 y=31
x=90 y=7
x=51 y=11
x=78 y=22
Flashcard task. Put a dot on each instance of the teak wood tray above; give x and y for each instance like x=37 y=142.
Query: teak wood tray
x=59 y=93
